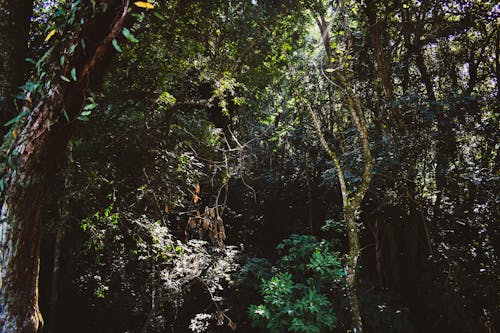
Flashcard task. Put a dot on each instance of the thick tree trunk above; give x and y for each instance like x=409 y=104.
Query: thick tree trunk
x=38 y=147
x=14 y=31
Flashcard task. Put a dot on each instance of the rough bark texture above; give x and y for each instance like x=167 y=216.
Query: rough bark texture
x=350 y=270
x=39 y=146
x=14 y=32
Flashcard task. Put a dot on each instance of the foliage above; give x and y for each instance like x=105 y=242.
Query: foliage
x=298 y=297
x=203 y=109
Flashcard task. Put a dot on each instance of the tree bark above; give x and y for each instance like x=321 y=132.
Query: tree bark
x=350 y=269
x=38 y=148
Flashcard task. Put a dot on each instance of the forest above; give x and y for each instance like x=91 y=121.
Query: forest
x=217 y=166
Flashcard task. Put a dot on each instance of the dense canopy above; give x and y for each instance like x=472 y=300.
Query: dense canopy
x=249 y=166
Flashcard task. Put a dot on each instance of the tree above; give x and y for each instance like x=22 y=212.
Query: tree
x=83 y=43
x=351 y=199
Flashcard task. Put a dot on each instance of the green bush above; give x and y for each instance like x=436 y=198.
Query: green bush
x=298 y=297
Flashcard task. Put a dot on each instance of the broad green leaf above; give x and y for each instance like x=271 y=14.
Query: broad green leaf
x=64 y=78
x=90 y=106
x=126 y=32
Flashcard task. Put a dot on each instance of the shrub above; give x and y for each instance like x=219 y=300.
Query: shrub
x=298 y=297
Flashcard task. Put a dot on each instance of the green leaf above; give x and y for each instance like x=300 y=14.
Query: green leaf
x=30 y=61
x=64 y=78
x=116 y=46
x=73 y=74
x=83 y=118
x=90 y=106
x=159 y=16
x=86 y=113
x=61 y=60
x=126 y=32
x=17 y=118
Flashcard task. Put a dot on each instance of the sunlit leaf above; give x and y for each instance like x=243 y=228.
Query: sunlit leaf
x=143 y=4
x=51 y=33
x=197 y=189
x=90 y=106
x=195 y=198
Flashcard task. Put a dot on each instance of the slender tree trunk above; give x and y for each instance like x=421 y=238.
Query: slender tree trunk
x=14 y=31
x=497 y=65
x=350 y=270
x=351 y=203
x=39 y=146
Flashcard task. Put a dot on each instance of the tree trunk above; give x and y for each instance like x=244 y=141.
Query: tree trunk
x=350 y=269
x=351 y=203
x=14 y=31
x=38 y=147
